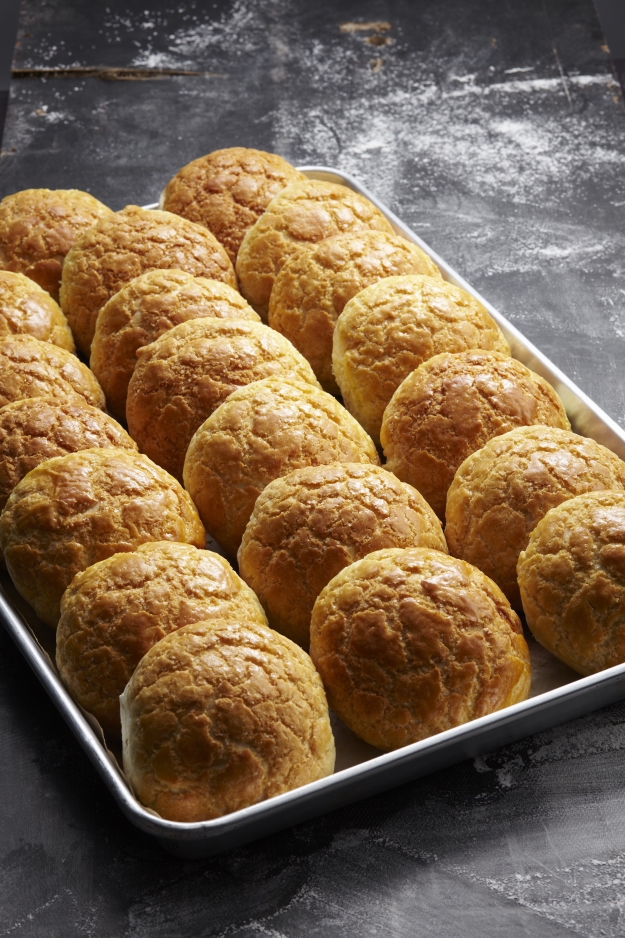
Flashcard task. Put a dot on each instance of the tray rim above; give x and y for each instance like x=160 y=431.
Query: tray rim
x=387 y=770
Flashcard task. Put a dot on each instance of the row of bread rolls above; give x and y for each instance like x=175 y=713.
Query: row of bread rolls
x=343 y=554
x=69 y=512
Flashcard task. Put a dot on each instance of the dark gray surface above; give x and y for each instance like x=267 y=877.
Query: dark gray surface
x=9 y=12
x=509 y=158
x=612 y=19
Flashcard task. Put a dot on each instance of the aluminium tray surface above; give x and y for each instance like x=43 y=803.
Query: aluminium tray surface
x=558 y=693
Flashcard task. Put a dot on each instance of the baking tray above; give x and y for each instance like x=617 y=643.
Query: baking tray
x=558 y=693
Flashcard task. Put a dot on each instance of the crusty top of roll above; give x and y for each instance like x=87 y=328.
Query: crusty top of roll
x=393 y=326
x=227 y=191
x=39 y=428
x=39 y=226
x=31 y=368
x=303 y=213
x=572 y=581
x=124 y=245
x=221 y=715
x=25 y=308
x=412 y=642
x=313 y=286
x=450 y=406
x=261 y=432
x=71 y=511
x=143 y=310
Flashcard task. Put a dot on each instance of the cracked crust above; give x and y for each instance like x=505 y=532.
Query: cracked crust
x=40 y=428
x=39 y=226
x=31 y=368
x=450 y=406
x=262 y=432
x=572 y=581
x=219 y=716
x=500 y=493
x=228 y=190
x=116 y=610
x=391 y=328
x=184 y=376
x=145 y=309
x=25 y=308
x=303 y=214
x=71 y=511
x=313 y=286
x=410 y=643
x=124 y=245
x=310 y=524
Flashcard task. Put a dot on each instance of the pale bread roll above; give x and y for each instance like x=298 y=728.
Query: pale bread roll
x=410 y=643
x=228 y=190
x=38 y=227
x=222 y=715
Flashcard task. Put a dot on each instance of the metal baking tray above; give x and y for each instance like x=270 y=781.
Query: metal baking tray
x=558 y=693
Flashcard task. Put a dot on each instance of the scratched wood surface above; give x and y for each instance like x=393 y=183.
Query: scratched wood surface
x=496 y=130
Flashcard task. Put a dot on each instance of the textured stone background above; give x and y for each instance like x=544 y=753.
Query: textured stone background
x=497 y=131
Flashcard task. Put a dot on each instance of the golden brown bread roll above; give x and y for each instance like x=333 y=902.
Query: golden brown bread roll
x=390 y=328
x=572 y=581
x=26 y=308
x=260 y=433
x=313 y=522
x=40 y=428
x=222 y=715
x=31 y=368
x=181 y=378
x=302 y=214
x=116 y=610
x=143 y=310
x=124 y=245
x=313 y=286
x=501 y=492
x=450 y=406
x=412 y=642
x=39 y=226
x=228 y=190
x=71 y=511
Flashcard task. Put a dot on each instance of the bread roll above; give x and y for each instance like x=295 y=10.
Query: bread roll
x=181 y=378
x=124 y=245
x=71 y=511
x=116 y=610
x=25 y=308
x=410 y=643
x=302 y=214
x=142 y=311
x=260 y=433
x=501 y=492
x=40 y=428
x=313 y=286
x=228 y=190
x=219 y=716
x=39 y=226
x=31 y=368
x=450 y=406
x=313 y=522
x=390 y=328
x=572 y=581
